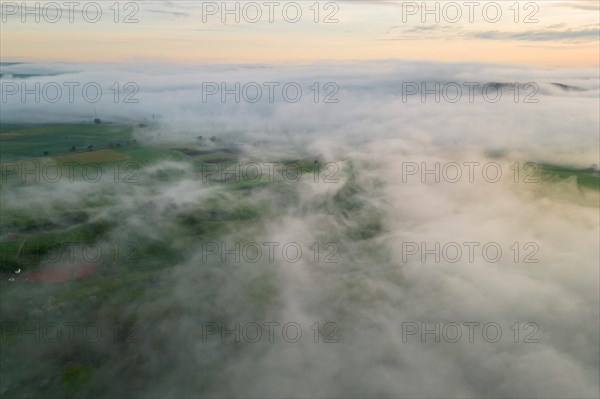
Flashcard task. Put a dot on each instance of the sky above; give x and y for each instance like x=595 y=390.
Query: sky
x=551 y=33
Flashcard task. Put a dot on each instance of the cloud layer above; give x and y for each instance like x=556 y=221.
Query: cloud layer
x=374 y=292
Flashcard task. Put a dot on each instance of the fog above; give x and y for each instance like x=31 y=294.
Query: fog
x=376 y=205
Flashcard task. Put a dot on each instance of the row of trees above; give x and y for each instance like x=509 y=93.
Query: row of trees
x=91 y=146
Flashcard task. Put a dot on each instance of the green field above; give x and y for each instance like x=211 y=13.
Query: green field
x=33 y=141
x=28 y=235
x=586 y=178
x=148 y=155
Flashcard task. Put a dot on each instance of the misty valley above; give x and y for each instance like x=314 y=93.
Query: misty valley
x=109 y=231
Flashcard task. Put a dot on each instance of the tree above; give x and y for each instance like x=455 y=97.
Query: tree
x=45 y=153
x=73 y=148
x=213 y=139
x=90 y=147
x=97 y=121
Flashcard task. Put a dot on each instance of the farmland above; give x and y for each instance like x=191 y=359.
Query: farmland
x=31 y=233
x=106 y=250
x=26 y=142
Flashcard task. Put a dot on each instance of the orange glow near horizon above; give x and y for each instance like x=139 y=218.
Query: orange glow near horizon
x=563 y=36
